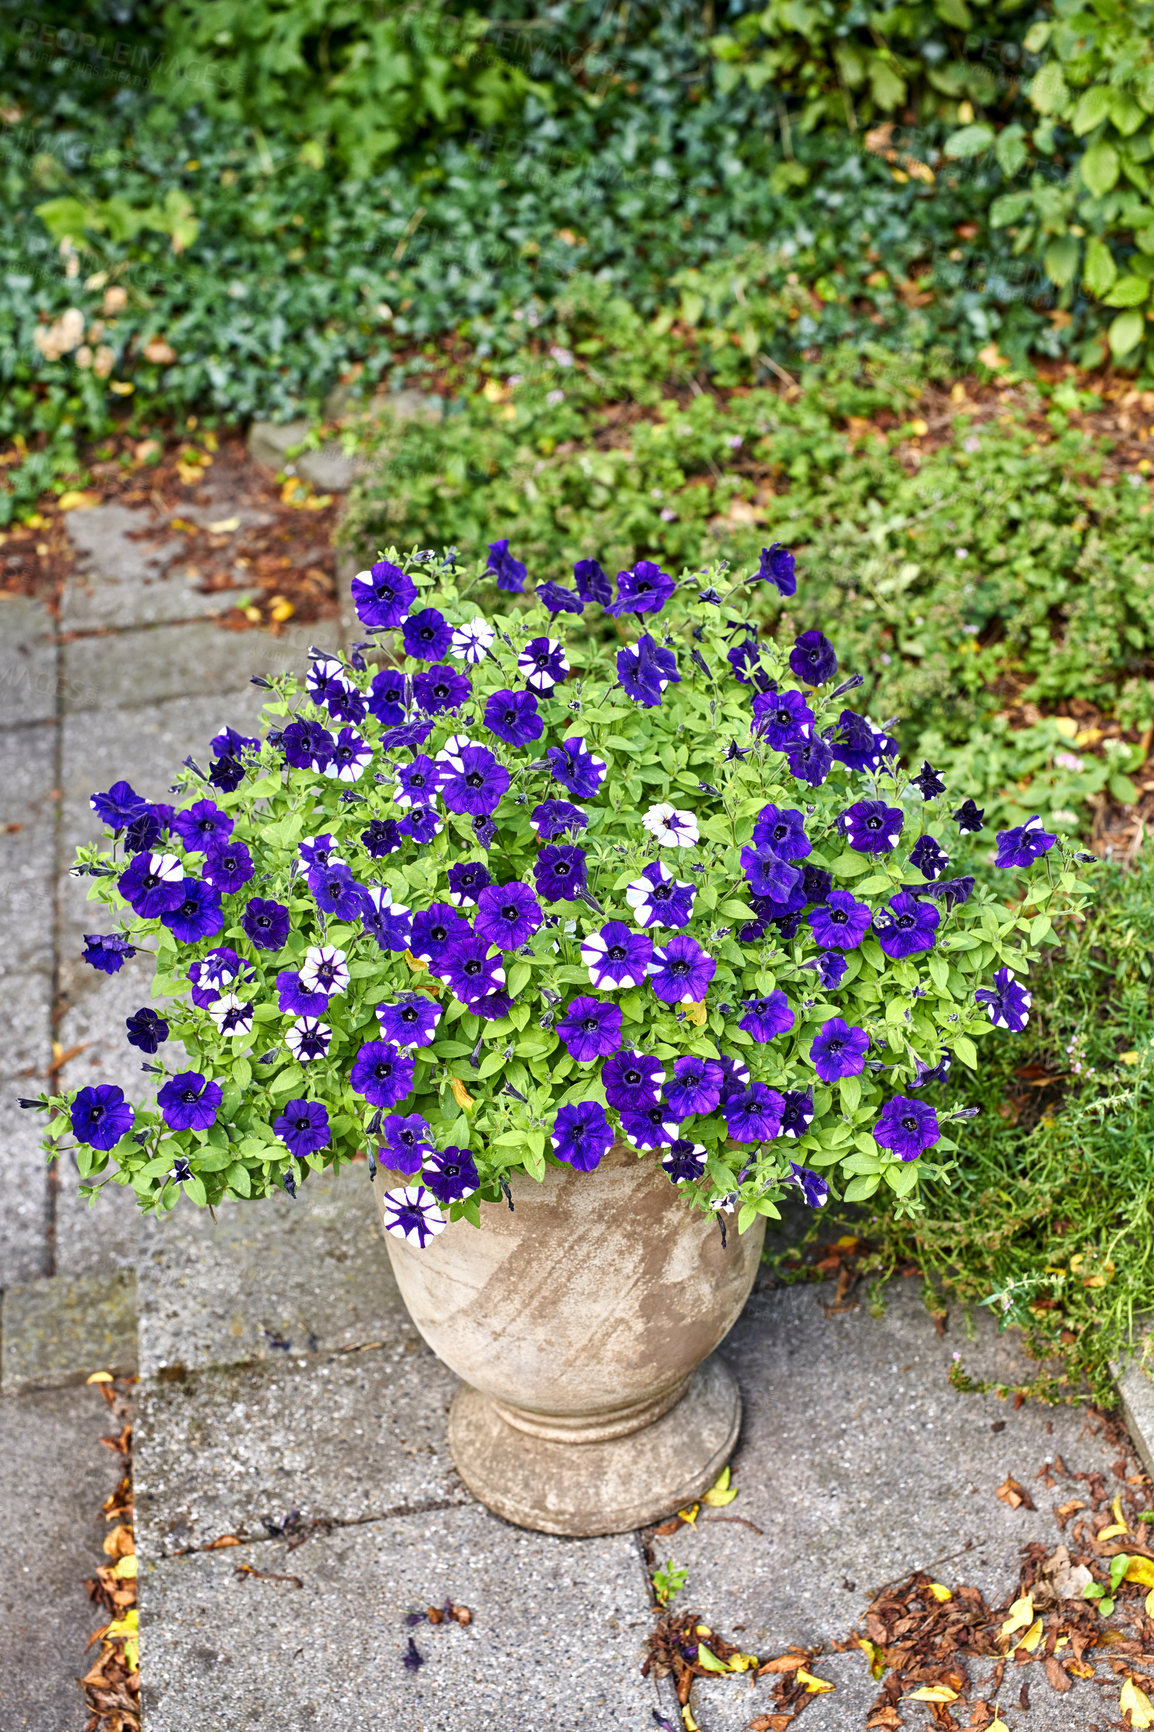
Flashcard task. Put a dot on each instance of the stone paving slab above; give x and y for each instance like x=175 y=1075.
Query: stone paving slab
x=54 y=1476
x=554 y=1645
x=128 y=669
x=24 y=1202
x=268 y=1278
x=94 y=1238
x=27 y=661
x=58 y=1332
x=27 y=870
x=120 y=580
x=342 y=1438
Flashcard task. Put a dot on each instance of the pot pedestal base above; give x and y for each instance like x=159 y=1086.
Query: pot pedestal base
x=604 y=1487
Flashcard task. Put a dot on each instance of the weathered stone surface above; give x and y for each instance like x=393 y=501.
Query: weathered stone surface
x=59 y=1331
x=27 y=661
x=97 y=1237
x=268 y=1278
x=27 y=853
x=136 y=668
x=24 y=1204
x=345 y=1438
x=1136 y=1392
x=54 y=1476
x=554 y=1645
x=269 y=441
x=123 y=577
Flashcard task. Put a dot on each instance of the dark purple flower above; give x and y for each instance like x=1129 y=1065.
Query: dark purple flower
x=1023 y=845
x=228 y=767
x=949 y=890
x=796 y=1112
x=841 y=922
x=830 y=968
x=470 y=970
x=351 y=756
x=591 y=1029
x=645 y=589
x=783 y=830
x=470 y=778
x=405 y=1143
x=559 y=600
x=422 y=824
x=336 y=891
x=592 y=583
x=968 y=817
x=812 y=658
x=766 y=1017
x=412 y=1021
x=685 y=1161
x=681 y=971
x=644 y=670
x=408 y=737
x=201 y=824
x=754 y=1116
x=871 y=826
x=153 y=884
x=387 y=696
x=426 y=635
x=494 y=1007
x=327 y=679
x=651 y=1128
x=100 y=1115
x=816 y=883
x=856 y=743
x=543 y=663
x=552 y=818
x=507 y=915
x=581 y=1135
x=559 y=872
x=513 y=717
x=146 y=1030
x=143 y=833
x=906 y=926
x=509 y=572
x=382 y=1073
x=768 y=875
x=695 y=1087
x=1007 y=1001
x=389 y=922
x=812 y=1186
x=450 y=1174
x=467 y=879
x=382 y=596
x=118 y=807
x=265 y=923
x=304 y=1127
x=928 y=857
x=412 y=1214
x=579 y=771
x=297 y=1000
x=657 y=898
x=935 y=1073
x=307 y=746
x=809 y=758
x=839 y=1050
x=416 y=782
x=440 y=688
x=199 y=915
x=319 y=851
x=928 y=782
x=779 y=717
x=745 y=660
x=382 y=837
x=215 y=972
x=228 y=866
x=616 y=956
x=906 y=1127
x=632 y=1081
x=734 y=1076
x=776 y=566
x=434 y=930
x=107 y=951
x=188 y=1103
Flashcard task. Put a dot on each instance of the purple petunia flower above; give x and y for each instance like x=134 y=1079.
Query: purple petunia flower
x=734 y=1076
x=201 y=824
x=382 y=1073
x=307 y=746
x=906 y=1127
x=509 y=572
x=591 y=1029
x=405 y=1143
x=797 y=1112
x=216 y=971
x=1023 y=845
x=142 y=834
x=968 y=817
x=657 y=898
x=559 y=600
x=671 y=828
x=107 y=951
x=928 y=782
x=411 y=1213
x=117 y=808
x=100 y=1115
x=228 y=866
x=754 y=1116
x=559 y=872
x=812 y=1186
x=543 y=663
x=188 y=1103
x=434 y=930
x=816 y=883
x=471 y=779
x=265 y=923
x=856 y=743
x=382 y=837
x=632 y=1081
x=592 y=583
x=552 y=818
x=809 y=758
x=422 y=824
x=416 y=782
x=681 y=971
x=146 y=1030
x=470 y=970
x=426 y=635
x=409 y=737
x=949 y=890
x=412 y=1021
x=812 y=658
x=779 y=717
x=198 y=916
x=387 y=697
x=581 y=1135
x=645 y=589
x=839 y=1050
x=685 y=1161
x=494 y=1007
x=579 y=771
x=451 y=1174
x=831 y=968
x=745 y=660
x=440 y=688
x=324 y=969
x=1007 y=1001
x=616 y=956
x=841 y=921
x=783 y=830
x=695 y=1087
x=644 y=670
x=871 y=826
x=382 y=596
x=294 y=999
x=329 y=684
x=308 y=1039
x=906 y=926
x=776 y=566
x=390 y=922
x=228 y=767
x=767 y=875
x=507 y=915
x=653 y=1127
x=152 y=884
x=935 y=1073
x=232 y=1015
x=928 y=857
x=351 y=757
x=304 y=1127
x=513 y=717
x=336 y=891
x=767 y=1017
x=467 y=879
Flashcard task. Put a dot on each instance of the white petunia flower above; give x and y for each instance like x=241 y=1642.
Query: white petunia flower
x=470 y=643
x=671 y=828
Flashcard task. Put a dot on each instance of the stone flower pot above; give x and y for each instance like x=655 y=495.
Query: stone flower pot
x=581 y=1324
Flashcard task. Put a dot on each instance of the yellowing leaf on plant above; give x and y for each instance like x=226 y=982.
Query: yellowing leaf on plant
x=695 y=1015
x=939 y=1592
x=1021 y=1616
x=815 y=1686
x=461 y=1094
x=720 y=1492
x=415 y=963
x=933 y=1693
x=76 y=500
x=1138 y=1703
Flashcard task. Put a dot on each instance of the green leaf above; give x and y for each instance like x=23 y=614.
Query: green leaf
x=859 y=1189
x=517 y=978
x=887 y=86
x=1099 y=272
x=939 y=971
x=850 y=1090
x=68 y=216
x=1125 y=112
x=1010 y=150
x=966 y=1050
x=1007 y=208
x=1093 y=107
x=1048 y=90
x=902 y=1177
x=1128 y=292
x=1125 y=333
x=746 y=1216
x=1061 y=260
x=1123 y=790
x=1099 y=168
x=970 y=141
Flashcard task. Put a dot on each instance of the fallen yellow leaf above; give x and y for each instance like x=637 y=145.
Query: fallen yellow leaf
x=99 y=1377
x=1066 y=726
x=121 y=388
x=997 y=1726
x=1021 y=1616
x=939 y=1592
x=1138 y=1703
x=124 y=1569
x=1150 y=1604
x=720 y=1492
x=742 y=1662
x=75 y=500
x=687 y=1719
x=709 y=1660
x=874 y=1655
x=415 y=963
x=815 y=1686
x=1115 y=1528
x=1140 y=1570
x=119 y=1627
x=689 y=1513
x=920 y=427
x=1080 y=1670
x=1128 y=1058
x=225 y=526
x=1032 y=1637
x=281 y=610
